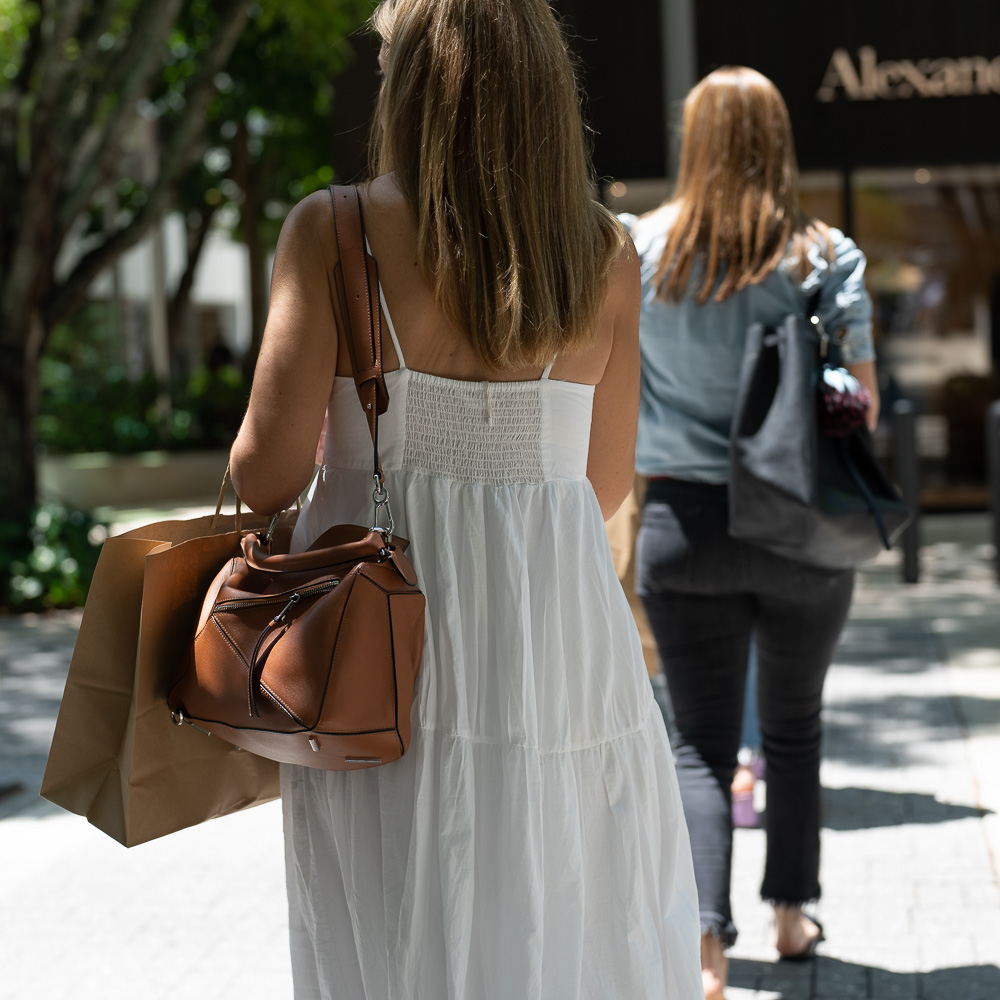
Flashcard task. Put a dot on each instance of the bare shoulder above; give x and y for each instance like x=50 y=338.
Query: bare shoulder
x=308 y=227
x=382 y=192
x=626 y=266
x=305 y=261
x=624 y=281
x=306 y=257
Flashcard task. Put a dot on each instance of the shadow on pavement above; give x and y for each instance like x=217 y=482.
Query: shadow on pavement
x=868 y=808
x=35 y=651
x=831 y=977
x=900 y=729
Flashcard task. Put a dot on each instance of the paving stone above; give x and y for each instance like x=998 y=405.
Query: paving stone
x=899 y=986
x=966 y=983
x=836 y=978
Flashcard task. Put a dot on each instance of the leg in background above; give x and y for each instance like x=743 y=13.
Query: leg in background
x=797 y=634
x=747 y=770
x=684 y=559
x=703 y=643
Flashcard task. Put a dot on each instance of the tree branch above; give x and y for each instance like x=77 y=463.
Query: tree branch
x=30 y=57
x=30 y=262
x=178 y=305
x=132 y=73
x=34 y=181
x=174 y=160
x=69 y=293
x=53 y=66
x=77 y=89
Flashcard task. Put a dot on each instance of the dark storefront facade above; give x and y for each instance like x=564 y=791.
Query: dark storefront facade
x=895 y=106
x=896 y=112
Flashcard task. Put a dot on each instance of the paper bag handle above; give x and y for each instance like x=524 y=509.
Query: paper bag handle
x=226 y=481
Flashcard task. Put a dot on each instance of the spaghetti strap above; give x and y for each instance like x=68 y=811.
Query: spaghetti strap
x=392 y=329
x=548 y=368
x=388 y=318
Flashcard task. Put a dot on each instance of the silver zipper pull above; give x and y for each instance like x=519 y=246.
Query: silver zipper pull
x=270 y=529
x=280 y=616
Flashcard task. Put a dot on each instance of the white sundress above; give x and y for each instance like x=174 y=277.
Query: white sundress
x=530 y=845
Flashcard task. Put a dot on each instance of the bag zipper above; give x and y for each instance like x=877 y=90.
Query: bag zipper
x=289 y=599
x=284 y=596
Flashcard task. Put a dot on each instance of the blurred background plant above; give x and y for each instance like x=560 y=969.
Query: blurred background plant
x=51 y=566
x=89 y=403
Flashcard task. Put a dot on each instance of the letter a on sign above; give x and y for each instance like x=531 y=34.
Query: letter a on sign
x=840 y=73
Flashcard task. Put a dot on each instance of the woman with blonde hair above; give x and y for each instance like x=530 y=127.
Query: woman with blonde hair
x=729 y=249
x=530 y=844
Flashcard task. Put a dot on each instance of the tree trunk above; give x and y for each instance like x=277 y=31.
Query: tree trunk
x=245 y=174
x=178 y=310
x=18 y=379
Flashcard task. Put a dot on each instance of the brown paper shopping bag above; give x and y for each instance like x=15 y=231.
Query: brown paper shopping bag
x=116 y=756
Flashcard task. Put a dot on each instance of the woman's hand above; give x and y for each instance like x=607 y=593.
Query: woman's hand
x=273 y=457
x=864 y=372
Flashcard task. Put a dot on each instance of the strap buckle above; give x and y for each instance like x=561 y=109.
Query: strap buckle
x=380 y=497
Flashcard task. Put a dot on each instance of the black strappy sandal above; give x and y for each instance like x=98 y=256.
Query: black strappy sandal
x=809 y=952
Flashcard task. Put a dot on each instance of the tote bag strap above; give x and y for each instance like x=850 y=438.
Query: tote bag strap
x=812 y=318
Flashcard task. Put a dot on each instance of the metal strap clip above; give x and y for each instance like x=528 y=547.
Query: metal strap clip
x=380 y=497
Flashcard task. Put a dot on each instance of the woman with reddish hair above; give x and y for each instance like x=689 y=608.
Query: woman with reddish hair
x=729 y=249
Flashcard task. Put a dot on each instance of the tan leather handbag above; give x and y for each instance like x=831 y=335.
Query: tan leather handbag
x=311 y=658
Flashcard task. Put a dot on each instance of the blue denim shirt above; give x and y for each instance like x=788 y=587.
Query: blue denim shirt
x=691 y=353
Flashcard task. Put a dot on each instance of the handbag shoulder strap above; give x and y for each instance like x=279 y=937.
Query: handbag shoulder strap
x=812 y=303
x=827 y=346
x=356 y=283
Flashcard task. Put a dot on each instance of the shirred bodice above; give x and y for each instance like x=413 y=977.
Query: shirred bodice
x=496 y=433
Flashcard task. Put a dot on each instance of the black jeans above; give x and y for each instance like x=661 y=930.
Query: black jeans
x=706 y=596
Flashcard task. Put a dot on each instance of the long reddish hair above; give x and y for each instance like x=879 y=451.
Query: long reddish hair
x=737 y=195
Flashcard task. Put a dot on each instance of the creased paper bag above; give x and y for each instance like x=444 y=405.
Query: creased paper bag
x=116 y=756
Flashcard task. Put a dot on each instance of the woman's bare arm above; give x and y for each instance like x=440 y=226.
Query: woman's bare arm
x=611 y=465
x=272 y=459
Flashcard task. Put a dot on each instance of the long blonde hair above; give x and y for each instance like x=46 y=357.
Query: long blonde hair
x=737 y=194
x=479 y=118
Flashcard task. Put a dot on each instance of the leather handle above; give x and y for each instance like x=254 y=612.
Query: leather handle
x=356 y=283
x=329 y=552
x=312 y=559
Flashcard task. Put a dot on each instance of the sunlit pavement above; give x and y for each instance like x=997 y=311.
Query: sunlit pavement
x=911 y=834
x=911 y=838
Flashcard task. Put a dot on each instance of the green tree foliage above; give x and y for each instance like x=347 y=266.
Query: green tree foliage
x=75 y=79
x=267 y=132
x=85 y=85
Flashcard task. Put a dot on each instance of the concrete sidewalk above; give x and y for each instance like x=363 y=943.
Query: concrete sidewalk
x=911 y=839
